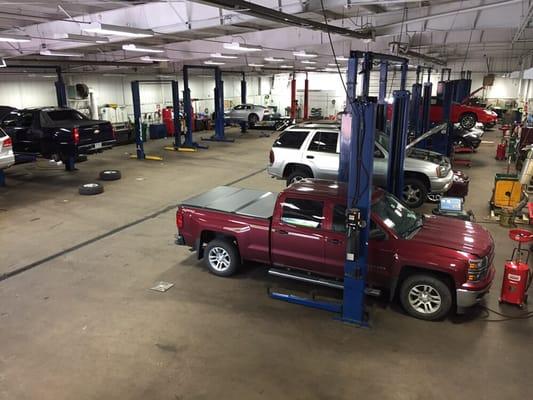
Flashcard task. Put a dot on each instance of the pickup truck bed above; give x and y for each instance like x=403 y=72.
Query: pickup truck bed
x=248 y=202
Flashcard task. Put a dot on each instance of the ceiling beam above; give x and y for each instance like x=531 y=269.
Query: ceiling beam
x=524 y=23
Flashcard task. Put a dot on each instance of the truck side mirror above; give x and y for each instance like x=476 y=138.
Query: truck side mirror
x=377 y=234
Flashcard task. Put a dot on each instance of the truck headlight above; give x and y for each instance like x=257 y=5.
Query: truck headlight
x=442 y=171
x=476 y=268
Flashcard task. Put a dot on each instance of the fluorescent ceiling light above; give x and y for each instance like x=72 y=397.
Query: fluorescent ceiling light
x=132 y=47
x=286 y=66
x=59 y=53
x=81 y=38
x=14 y=38
x=310 y=67
x=302 y=53
x=341 y=58
x=154 y=59
x=274 y=59
x=49 y=76
x=241 y=47
x=256 y=65
x=308 y=62
x=220 y=55
x=211 y=62
x=114 y=74
x=331 y=70
x=332 y=64
x=2 y=63
x=166 y=77
x=106 y=29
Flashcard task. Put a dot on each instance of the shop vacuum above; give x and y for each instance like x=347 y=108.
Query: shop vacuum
x=517 y=275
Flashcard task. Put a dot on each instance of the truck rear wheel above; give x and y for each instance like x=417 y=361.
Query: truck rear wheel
x=222 y=257
x=426 y=297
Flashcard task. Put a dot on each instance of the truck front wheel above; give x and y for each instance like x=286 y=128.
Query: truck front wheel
x=222 y=257
x=426 y=297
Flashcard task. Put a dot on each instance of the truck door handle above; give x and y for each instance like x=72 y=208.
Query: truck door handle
x=310 y=157
x=334 y=241
x=282 y=232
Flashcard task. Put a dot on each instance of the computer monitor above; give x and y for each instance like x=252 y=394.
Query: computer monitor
x=451 y=204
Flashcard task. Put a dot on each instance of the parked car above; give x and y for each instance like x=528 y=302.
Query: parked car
x=57 y=133
x=4 y=110
x=7 y=157
x=431 y=263
x=248 y=113
x=466 y=115
x=312 y=151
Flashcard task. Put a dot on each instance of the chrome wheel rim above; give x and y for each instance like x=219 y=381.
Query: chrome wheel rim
x=434 y=196
x=425 y=299
x=219 y=259
x=297 y=179
x=411 y=194
x=469 y=122
x=90 y=185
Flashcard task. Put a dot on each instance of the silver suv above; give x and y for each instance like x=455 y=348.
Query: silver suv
x=312 y=151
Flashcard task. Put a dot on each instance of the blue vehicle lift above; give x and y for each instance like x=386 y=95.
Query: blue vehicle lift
x=136 y=96
x=420 y=104
x=219 y=135
x=355 y=167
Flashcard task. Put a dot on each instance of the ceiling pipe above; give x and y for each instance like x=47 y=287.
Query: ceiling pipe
x=255 y=10
x=449 y=13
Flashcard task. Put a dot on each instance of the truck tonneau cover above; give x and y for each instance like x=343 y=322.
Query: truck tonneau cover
x=253 y=203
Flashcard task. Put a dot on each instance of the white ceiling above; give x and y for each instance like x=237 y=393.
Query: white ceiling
x=480 y=35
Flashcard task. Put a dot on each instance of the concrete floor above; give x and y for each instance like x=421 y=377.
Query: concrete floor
x=82 y=324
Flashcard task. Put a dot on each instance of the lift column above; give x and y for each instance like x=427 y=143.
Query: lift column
x=136 y=97
x=381 y=119
x=293 y=97
x=176 y=108
x=416 y=100
x=306 y=97
x=61 y=92
x=398 y=136
x=187 y=108
x=243 y=89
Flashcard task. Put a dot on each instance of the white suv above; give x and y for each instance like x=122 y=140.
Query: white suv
x=312 y=151
x=7 y=157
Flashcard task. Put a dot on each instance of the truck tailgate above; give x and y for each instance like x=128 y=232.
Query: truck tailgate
x=253 y=203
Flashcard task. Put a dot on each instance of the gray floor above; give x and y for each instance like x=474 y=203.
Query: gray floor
x=82 y=324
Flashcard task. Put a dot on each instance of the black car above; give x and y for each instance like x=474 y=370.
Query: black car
x=56 y=132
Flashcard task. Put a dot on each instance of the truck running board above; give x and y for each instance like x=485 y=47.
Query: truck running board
x=302 y=277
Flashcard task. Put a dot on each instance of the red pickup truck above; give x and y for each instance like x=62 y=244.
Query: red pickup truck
x=430 y=263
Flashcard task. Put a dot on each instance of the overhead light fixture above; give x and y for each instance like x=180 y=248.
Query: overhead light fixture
x=310 y=67
x=107 y=29
x=302 y=53
x=81 y=38
x=114 y=74
x=341 y=58
x=14 y=38
x=286 y=66
x=256 y=65
x=330 y=70
x=49 y=76
x=308 y=62
x=2 y=63
x=166 y=77
x=154 y=59
x=132 y=47
x=221 y=55
x=241 y=47
x=274 y=59
x=332 y=64
x=59 y=53
x=211 y=62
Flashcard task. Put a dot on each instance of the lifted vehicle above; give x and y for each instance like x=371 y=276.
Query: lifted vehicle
x=57 y=133
x=432 y=264
x=466 y=115
x=249 y=113
x=312 y=151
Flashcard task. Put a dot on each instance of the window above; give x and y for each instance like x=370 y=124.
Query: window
x=396 y=216
x=378 y=153
x=339 y=218
x=65 y=115
x=383 y=140
x=303 y=213
x=325 y=142
x=240 y=107
x=291 y=139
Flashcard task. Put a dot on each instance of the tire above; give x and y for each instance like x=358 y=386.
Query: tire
x=222 y=257
x=110 y=175
x=297 y=175
x=426 y=297
x=89 y=189
x=414 y=192
x=253 y=119
x=468 y=120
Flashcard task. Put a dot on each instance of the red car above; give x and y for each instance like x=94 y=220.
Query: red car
x=464 y=114
x=431 y=263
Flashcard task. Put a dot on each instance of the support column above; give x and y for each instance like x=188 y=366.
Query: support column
x=398 y=142
x=243 y=89
x=187 y=108
x=176 y=108
x=293 y=97
x=136 y=97
x=219 y=105
x=61 y=91
x=381 y=119
x=306 y=97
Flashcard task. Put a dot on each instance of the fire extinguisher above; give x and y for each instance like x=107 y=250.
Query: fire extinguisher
x=501 y=150
x=517 y=276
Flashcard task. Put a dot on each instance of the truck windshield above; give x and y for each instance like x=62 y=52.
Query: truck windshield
x=396 y=216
